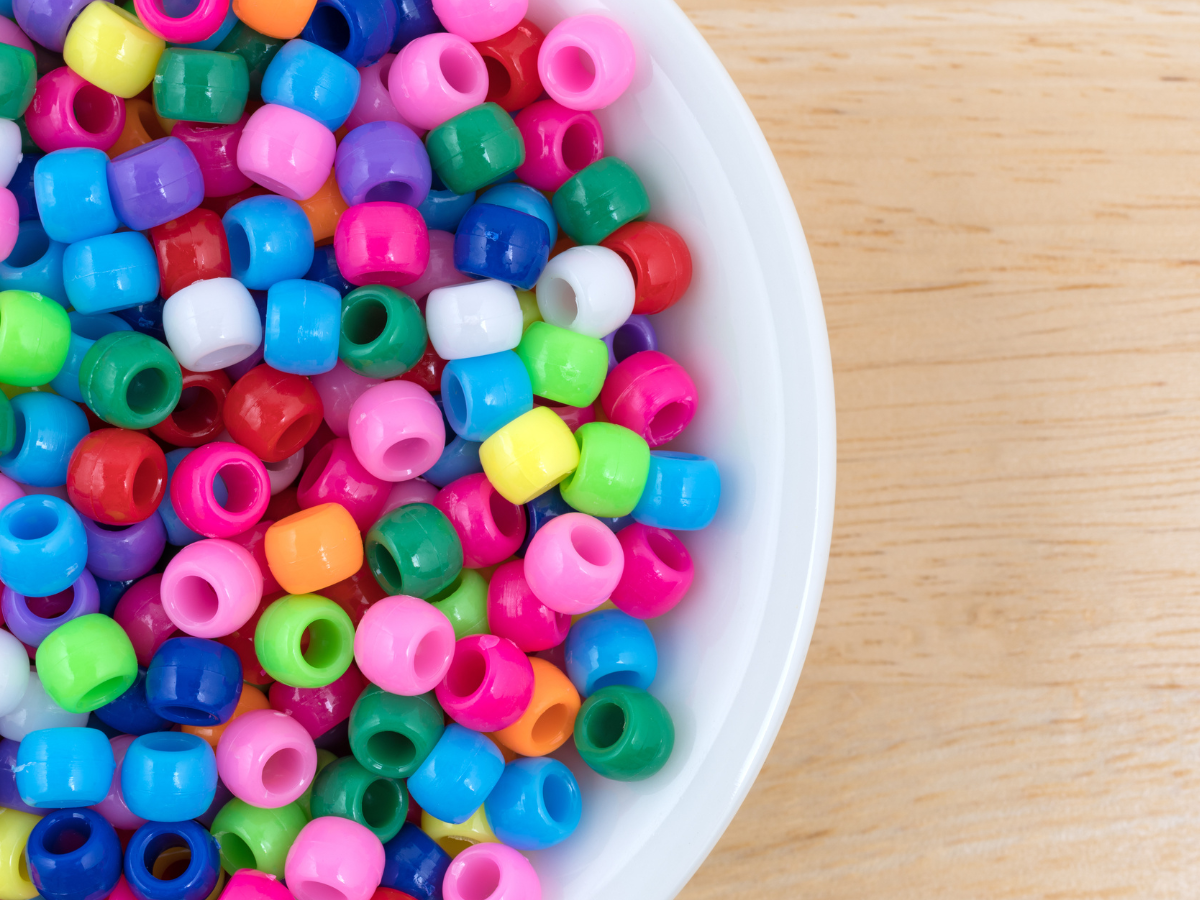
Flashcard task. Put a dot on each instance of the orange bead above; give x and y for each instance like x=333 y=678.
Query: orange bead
x=252 y=698
x=314 y=548
x=508 y=755
x=324 y=208
x=141 y=127
x=275 y=18
x=550 y=717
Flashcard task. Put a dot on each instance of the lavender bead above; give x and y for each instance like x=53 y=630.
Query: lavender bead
x=636 y=335
x=47 y=21
x=122 y=552
x=32 y=629
x=382 y=161
x=155 y=183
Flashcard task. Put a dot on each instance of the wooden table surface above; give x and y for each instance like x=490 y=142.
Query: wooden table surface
x=1002 y=698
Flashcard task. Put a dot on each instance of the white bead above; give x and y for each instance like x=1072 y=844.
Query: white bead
x=14 y=672
x=284 y=472
x=212 y=324
x=37 y=711
x=588 y=290
x=473 y=319
x=10 y=150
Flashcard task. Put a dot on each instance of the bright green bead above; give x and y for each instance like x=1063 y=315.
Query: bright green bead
x=414 y=550
x=18 y=78
x=475 y=147
x=383 y=332
x=614 y=463
x=596 y=201
x=255 y=48
x=130 y=380
x=304 y=801
x=464 y=603
x=34 y=336
x=348 y=790
x=623 y=733
x=86 y=663
x=392 y=734
x=277 y=640
x=254 y=838
x=201 y=86
x=563 y=366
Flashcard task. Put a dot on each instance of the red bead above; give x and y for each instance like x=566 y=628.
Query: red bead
x=659 y=260
x=356 y=593
x=222 y=205
x=427 y=372
x=511 y=61
x=198 y=416
x=271 y=413
x=282 y=505
x=190 y=248
x=116 y=476
x=254 y=540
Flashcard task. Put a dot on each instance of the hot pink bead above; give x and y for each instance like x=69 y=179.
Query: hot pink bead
x=215 y=148
x=415 y=490
x=374 y=103
x=254 y=540
x=494 y=871
x=339 y=388
x=211 y=588
x=439 y=271
x=658 y=571
x=489 y=683
x=336 y=476
x=10 y=222
x=480 y=20
x=140 y=613
x=573 y=563
x=251 y=884
x=334 y=859
x=404 y=645
x=396 y=430
x=113 y=807
x=381 y=243
x=515 y=612
x=286 y=151
x=245 y=478
x=436 y=77
x=122 y=891
x=11 y=33
x=198 y=25
x=491 y=528
x=319 y=709
x=266 y=758
x=651 y=394
x=600 y=80
x=67 y=111
x=558 y=143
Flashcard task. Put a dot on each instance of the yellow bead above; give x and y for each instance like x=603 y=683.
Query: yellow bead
x=529 y=455
x=173 y=862
x=15 y=827
x=109 y=47
x=529 y=308
x=454 y=839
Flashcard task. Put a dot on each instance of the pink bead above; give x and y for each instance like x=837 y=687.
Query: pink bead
x=415 y=490
x=491 y=871
x=439 y=271
x=489 y=683
x=374 y=102
x=338 y=389
x=480 y=20
x=396 y=430
x=9 y=491
x=381 y=243
x=404 y=645
x=215 y=148
x=573 y=563
x=11 y=34
x=435 y=78
x=245 y=478
x=286 y=151
x=198 y=25
x=515 y=612
x=334 y=859
x=67 y=111
x=251 y=884
x=336 y=476
x=558 y=143
x=266 y=758
x=254 y=540
x=10 y=222
x=140 y=613
x=574 y=416
x=651 y=394
x=322 y=708
x=586 y=62
x=113 y=807
x=211 y=588
x=658 y=571
x=491 y=528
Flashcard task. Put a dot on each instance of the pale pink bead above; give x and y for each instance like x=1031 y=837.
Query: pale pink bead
x=113 y=806
x=573 y=563
x=10 y=222
x=334 y=859
x=338 y=389
x=266 y=758
x=404 y=645
x=374 y=102
x=10 y=491
x=435 y=78
x=286 y=151
x=396 y=430
x=439 y=271
x=494 y=871
x=415 y=490
x=586 y=62
x=211 y=588
x=480 y=20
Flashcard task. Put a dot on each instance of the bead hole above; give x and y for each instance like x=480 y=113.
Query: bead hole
x=196 y=599
x=458 y=69
x=629 y=264
x=556 y=796
x=236 y=851
x=668 y=548
x=385 y=68
x=93 y=109
x=53 y=606
x=391 y=192
x=146 y=483
x=499 y=79
x=171 y=863
x=330 y=28
x=196 y=410
x=667 y=423
x=380 y=802
x=365 y=321
x=629 y=340
x=589 y=544
x=605 y=725
x=431 y=654
x=295 y=435
x=34 y=523
x=509 y=517
x=579 y=146
x=574 y=69
x=239 y=246
x=467 y=671
x=283 y=771
x=318 y=890
x=556 y=300
x=551 y=724
x=403 y=455
x=146 y=392
x=149 y=122
x=478 y=879
x=391 y=748
x=454 y=845
x=384 y=565
x=324 y=644
x=66 y=836
x=112 y=689
x=456 y=399
x=157 y=847
x=242 y=484
x=168 y=742
x=32 y=244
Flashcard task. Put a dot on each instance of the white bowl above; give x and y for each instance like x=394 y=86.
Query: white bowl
x=751 y=331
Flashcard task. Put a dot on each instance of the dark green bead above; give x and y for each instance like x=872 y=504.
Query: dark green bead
x=256 y=49
x=598 y=200
x=475 y=147
x=348 y=790
x=383 y=332
x=464 y=603
x=8 y=426
x=27 y=142
x=18 y=77
x=563 y=366
x=414 y=550
x=201 y=86
x=130 y=380
x=623 y=733
x=392 y=734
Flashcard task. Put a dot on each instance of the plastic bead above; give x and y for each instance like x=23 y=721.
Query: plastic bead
x=12 y=34
x=37 y=710
x=475 y=148
x=382 y=332
x=563 y=366
x=10 y=157
x=45 y=22
x=50 y=428
x=215 y=148
x=338 y=389
x=195 y=882
x=346 y=789
x=281 y=629
x=201 y=86
x=278 y=19
x=35 y=264
x=383 y=161
x=324 y=210
x=197 y=418
x=129 y=714
x=322 y=708
x=87 y=663
x=110 y=272
x=194 y=681
x=248 y=884
x=415 y=490
x=336 y=476
x=200 y=24
x=443 y=209
x=269 y=238
x=15 y=827
x=74 y=854
x=511 y=60
x=42 y=545
x=141 y=127
x=302 y=330
x=155 y=183
x=598 y=200
x=404 y=645
x=373 y=103
x=381 y=243
x=457 y=775
x=515 y=612
x=10 y=224
x=324 y=269
x=610 y=647
x=482 y=394
x=396 y=431
x=505 y=244
x=67 y=111
x=360 y=33
x=59 y=768
x=682 y=492
x=546 y=723
x=435 y=77
x=489 y=684
x=266 y=758
x=130 y=380
x=257 y=48
x=458 y=460
x=529 y=455
x=474 y=319
x=613 y=466
x=586 y=62
x=489 y=527
x=113 y=807
x=140 y=614
x=314 y=548
x=415 y=864
x=587 y=290
x=523 y=198
x=211 y=588
x=650 y=394
x=286 y=152
x=623 y=733
x=464 y=603
x=483 y=865
x=168 y=777
x=71 y=187
x=334 y=857
x=414 y=550
x=636 y=335
x=310 y=79
x=391 y=734
x=573 y=563
x=243 y=475
x=250 y=700
x=14 y=676
x=10 y=798
x=658 y=571
x=35 y=335
x=439 y=272
x=18 y=75
x=125 y=552
x=32 y=628
x=356 y=593
x=109 y=47
x=85 y=330
x=659 y=260
x=535 y=805
x=455 y=838
x=190 y=249
x=255 y=838
x=145 y=319
x=212 y=324
x=21 y=181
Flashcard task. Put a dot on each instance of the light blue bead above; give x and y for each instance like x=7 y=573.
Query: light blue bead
x=681 y=493
x=270 y=240
x=168 y=776
x=443 y=209
x=458 y=774
x=61 y=768
x=71 y=188
x=178 y=534
x=43 y=547
x=309 y=79
x=85 y=331
x=48 y=429
x=113 y=271
x=523 y=198
x=610 y=647
x=303 y=326
x=484 y=393
x=35 y=264
x=459 y=459
x=535 y=805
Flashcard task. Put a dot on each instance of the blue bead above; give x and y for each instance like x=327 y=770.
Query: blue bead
x=484 y=393
x=270 y=240
x=131 y=713
x=541 y=510
x=194 y=681
x=113 y=271
x=415 y=864
x=414 y=19
x=535 y=805
x=6 y=8
x=457 y=775
x=22 y=186
x=148 y=842
x=523 y=198
x=359 y=31
x=222 y=796
x=682 y=492
x=168 y=777
x=459 y=459
x=59 y=768
x=10 y=797
x=324 y=269
x=309 y=79
x=74 y=855
x=35 y=264
x=111 y=593
x=71 y=188
x=303 y=327
x=146 y=318
x=85 y=331
x=610 y=647
x=502 y=243
x=48 y=429
x=443 y=209
x=214 y=41
x=178 y=534
x=43 y=547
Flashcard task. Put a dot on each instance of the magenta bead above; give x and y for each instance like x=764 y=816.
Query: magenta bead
x=404 y=645
x=658 y=571
x=9 y=491
x=489 y=683
x=253 y=540
x=604 y=76
x=336 y=476
x=251 y=884
x=245 y=478
x=321 y=708
x=140 y=613
x=515 y=612
x=266 y=758
x=558 y=143
x=198 y=25
x=334 y=859
x=650 y=394
x=491 y=871
x=215 y=148
x=286 y=151
x=436 y=77
x=11 y=34
x=211 y=588
x=573 y=563
x=396 y=430
x=381 y=243
x=480 y=20
x=491 y=528
x=338 y=389
x=374 y=103
x=439 y=271
x=113 y=807
x=67 y=111
x=415 y=490
x=10 y=223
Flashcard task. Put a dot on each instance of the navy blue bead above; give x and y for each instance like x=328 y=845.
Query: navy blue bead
x=10 y=797
x=131 y=713
x=682 y=492
x=148 y=842
x=459 y=459
x=502 y=243
x=43 y=547
x=359 y=31
x=325 y=269
x=111 y=593
x=146 y=318
x=64 y=767
x=482 y=394
x=415 y=864
x=443 y=209
x=541 y=510
x=74 y=854
x=194 y=681
x=35 y=264
x=610 y=647
x=457 y=775
x=414 y=19
x=535 y=805
x=22 y=186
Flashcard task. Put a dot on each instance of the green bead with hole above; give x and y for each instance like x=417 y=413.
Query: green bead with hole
x=414 y=550
x=279 y=640
x=130 y=380
x=391 y=734
x=623 y=733
x=383 y=332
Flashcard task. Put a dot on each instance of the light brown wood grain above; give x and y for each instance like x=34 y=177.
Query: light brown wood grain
x=1002 y=698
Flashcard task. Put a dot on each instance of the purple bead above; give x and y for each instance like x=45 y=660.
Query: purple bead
x=122 y=552
x=9 y=797
x=32 y=629
x=636 y=335
x=47 y=21
x=220 y=798
x=155 y=183
x=237 y=370
x=382 y=161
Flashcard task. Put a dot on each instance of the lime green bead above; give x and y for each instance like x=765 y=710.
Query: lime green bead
x=201 y=86
x=464 y=603
x=34 y=336
x=130 y=380
x=304 y=801
x=414 y=550
x=597 y=200
x=255 y=48
x=348 y=790
x=383 y=332
x=623 y=733
x=563 y=366
x=392 y=734
x=254 y=838
x=280 y=630
x=86 y=663
x=614 y=463
x=18 y=78
x=475 y=147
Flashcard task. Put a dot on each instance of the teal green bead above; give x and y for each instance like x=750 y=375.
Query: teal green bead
x=8 y=426
x=623 y=733
x=27 y=142
x=383 y=332
x=201 y=86
x=346 y=789
x=255 y=48
x=130 y=380
x=475 y=148
x=18 y=78
x=414 y=550
x=391 y=734
x=597 y=200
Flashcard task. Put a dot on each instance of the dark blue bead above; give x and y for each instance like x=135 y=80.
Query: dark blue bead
x=100 y=725
x=415 y=864
x=131 y=713
x=111 y=593
x=194 y=681
x=146 y=318
x=148 y=842
x=74 y=854
x=359 y=31
x=502 y=243
x=414 y=19
x=325 y=269
x=459 y=459
x=541 y=510
x=22 y=186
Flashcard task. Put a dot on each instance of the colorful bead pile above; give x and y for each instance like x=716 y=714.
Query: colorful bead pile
x=332 y=503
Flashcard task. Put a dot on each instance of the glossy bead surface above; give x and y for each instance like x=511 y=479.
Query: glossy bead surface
x=381 y=243
x=529 y=455
x=478 y=864
x=110 y=272
x=404 y=645
x=546 y=723
x=322 y=708
x=37 y=710
x=573 y=563
x=535 y=805
x=211 y=588
x=14 y=667
x=50 y=429
x=257 y=47
x=489 y=527
x=457 y=775
x=659 y=260
x=474 y=319
x=129 y=714
x=336 y=476
x=650 y=394
x=35 y=335
x=201 y=86
x=140 y=614
x=189 y=249
x=383 y=160
x=243 y=476
x=324 y=269
x=266 y=758
x=155 y=183
x=489 y=683
x=332 y=854
x=623 y=733
x=587 y=290
x=272 y=413
x=67 y=111
x=87 y=663
x=346 y=789
x=195 y=882
x=197 y=417
x=636 y=335
x=88 y=870
x=250 y=700
x=31 y=628
x=610 y=647
x=382 y=332
x=194 y=681
x=215 y=149
x=502 y=243
x=281 y=629
x=614 y=463
x=123 y=553
x=198 y=25
x=249 y=884
x=141 y=127
x=515 y=612
x=511 y=59
x=360 y=33
x=269 y=238
x=71 y=188
x=130 y=380
x=396 y=431
x=475 y=147
x=414 y=550
x=43 y=547
x=60 y=768
x=563 y=366
x=168 y=777
x=286 y=152
x=113 y=807
x=442 y=208
x=19 y=78
x=15 y=827
x=109 y=47
x=464 y=603
x=314 y=548
x=436 y=77
x=252 y=837
x=414 y=864
x=212 y=324
x=35 y=264
x=482 y=394
x=310 y=79
x=302 y=329
x=604 y=76
x=682 y=492
x=391 y=734
x=658 y=571
x=599 y=199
